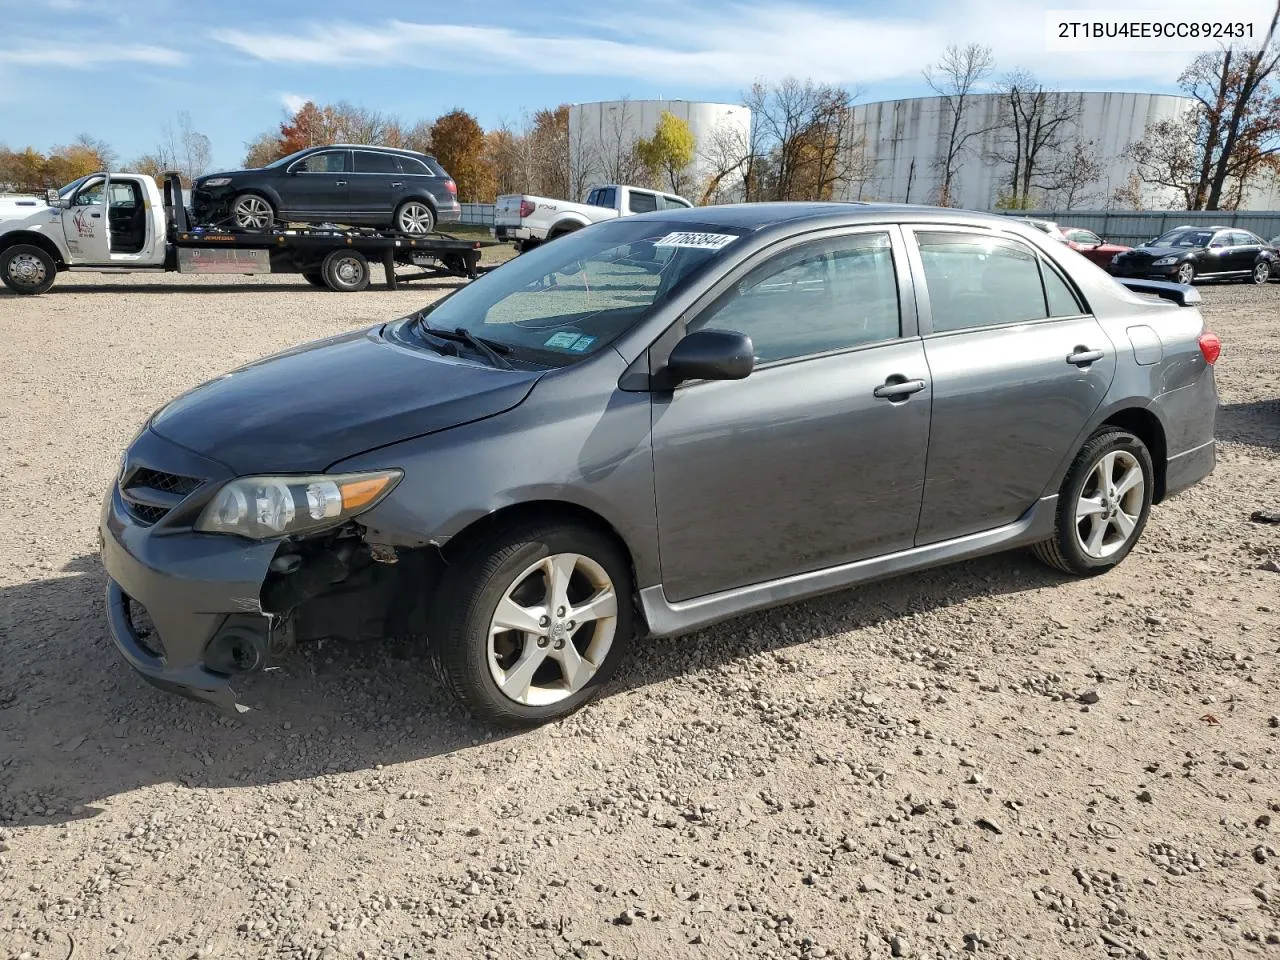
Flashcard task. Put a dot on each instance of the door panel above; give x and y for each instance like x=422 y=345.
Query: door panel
x=376 y=185
x=85 y=224
x=1008 y=405
x=318 y=187
x=795 y=468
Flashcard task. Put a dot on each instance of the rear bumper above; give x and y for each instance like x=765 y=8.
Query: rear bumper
x=504 y=232
x=448 y=212
x=1189 y=468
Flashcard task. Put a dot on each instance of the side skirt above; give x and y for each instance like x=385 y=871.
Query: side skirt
x=668 y=619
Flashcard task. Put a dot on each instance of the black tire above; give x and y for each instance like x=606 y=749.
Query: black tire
x=1261 y=273
x=424 y=219
x=468 y=596
x=315 y=278
x=264 y=213
x=1188 y=271
x=1064 y=551
x=562 y=232
x=27 y=269
x=346 y=271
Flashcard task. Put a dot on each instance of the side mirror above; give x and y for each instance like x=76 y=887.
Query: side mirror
x=51 y=197
x=710 y=355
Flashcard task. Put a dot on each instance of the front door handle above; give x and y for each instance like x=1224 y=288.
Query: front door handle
x=340 y=183
x=397 y=183
x=1083 y=356
x=897 y=387
x=96 y=216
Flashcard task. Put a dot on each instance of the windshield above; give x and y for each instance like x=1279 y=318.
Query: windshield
x=1182 y=238
x=572 y=297
x=285 y=160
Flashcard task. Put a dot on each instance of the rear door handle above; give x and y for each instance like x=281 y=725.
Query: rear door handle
x=397 y=183
x=897 y=388
x=1083 y=356
x=340 y=183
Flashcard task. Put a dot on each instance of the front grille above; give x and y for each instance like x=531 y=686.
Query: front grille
x=164 y=482
x=144 y=513
x=149 y=494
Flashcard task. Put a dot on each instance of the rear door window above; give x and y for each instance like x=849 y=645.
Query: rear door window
x=643 y=202
x=602 y=197
x=369 y=162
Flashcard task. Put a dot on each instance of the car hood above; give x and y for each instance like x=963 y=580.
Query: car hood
x=209 y=176
x=1157 y=252
x=307 y=408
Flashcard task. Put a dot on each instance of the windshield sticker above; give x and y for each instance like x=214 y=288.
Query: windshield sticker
x=561 y=341
x=582 y=344
x=696 y=241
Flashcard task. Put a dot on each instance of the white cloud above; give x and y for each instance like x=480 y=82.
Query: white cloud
x=86 y=57
x=725 y=44
x=293 y=102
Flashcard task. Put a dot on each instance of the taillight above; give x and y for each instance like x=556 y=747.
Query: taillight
x=451 y=187
x=1210 y=346
x=527 y=207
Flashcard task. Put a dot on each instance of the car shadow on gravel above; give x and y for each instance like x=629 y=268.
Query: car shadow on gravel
x=1256 y=423
x=78 y=727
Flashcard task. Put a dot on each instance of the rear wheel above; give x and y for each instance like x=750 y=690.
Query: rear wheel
x=1103 y=505
x=1186 y=273
x=27 y=269
x=252 y=212
x=416 y=217
x=1261 y=272
x=346 y=271
x=532 y=622
x=315 y=278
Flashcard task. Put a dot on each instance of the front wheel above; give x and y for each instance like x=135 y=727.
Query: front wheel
x=531 y=623
x=1261 y=273
x=1186 y=273
x=1103 y=505
x=252 y=212
x=415 y=217
x=315 y=278
x=346 y=271
x=27 y=269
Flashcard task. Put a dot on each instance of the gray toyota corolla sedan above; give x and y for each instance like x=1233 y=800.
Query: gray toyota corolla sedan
x=650 y=425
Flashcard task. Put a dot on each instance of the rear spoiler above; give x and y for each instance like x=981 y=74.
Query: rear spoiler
x=1183 y=294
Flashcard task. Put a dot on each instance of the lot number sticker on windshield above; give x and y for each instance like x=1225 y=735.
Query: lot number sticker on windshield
x=567 y=340
x=696 y=241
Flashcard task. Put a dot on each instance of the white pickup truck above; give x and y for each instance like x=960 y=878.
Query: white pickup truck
x=126 y=222
x=529 y=221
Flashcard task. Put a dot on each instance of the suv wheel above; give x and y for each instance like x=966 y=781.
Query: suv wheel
x=1186 y=273
x=1261 y=272
x=314 y=277
x=531 y=623
x=415 y=216
x=26 y=268
x=253 y=212
x=346 y=271
x=1103 y=505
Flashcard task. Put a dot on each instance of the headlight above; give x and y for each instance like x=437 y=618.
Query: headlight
x=216 y=182
x=263 y=507
x=1165 y=262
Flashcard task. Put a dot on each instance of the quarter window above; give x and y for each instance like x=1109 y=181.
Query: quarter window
x=415 y=166
x=369 y=162
x=980 y=281
x=816 y=298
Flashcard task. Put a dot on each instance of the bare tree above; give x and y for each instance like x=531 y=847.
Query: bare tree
x=1075 y=175
x=613 y=146
x=1166 y=156
x=1036 y=127
x=725 y=154
x=954 y=78
x=182 y=149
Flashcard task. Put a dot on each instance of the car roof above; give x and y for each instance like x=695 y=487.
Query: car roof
x=758 y=216
x=375 y=147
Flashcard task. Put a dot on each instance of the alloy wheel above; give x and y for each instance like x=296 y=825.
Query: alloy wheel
x=552 y=629
x=27 y=270
x=416 y=218
x=1110 y=504
x=1186 y=273
x=1261 y=272
x=252 y=213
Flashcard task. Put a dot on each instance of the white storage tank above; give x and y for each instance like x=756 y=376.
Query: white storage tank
x=904 y=139
x=602 y=130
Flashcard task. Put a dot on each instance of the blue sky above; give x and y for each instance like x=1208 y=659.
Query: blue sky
x=117 y=68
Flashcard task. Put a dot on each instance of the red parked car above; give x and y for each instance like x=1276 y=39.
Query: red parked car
x=1087 y=242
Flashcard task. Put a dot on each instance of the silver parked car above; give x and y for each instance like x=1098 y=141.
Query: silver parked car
x=652 y=424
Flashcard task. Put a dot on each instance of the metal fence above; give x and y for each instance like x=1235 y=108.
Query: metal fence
x=478 y=213
x=1132 y=227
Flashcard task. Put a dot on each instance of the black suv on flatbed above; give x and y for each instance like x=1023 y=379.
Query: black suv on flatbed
x=342 y=183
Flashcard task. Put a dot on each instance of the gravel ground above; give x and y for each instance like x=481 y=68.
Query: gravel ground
x=986 y=759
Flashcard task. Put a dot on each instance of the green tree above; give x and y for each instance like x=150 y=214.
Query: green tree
x=668 y=153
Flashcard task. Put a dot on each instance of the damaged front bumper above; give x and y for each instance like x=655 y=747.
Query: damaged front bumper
x=184 y=608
